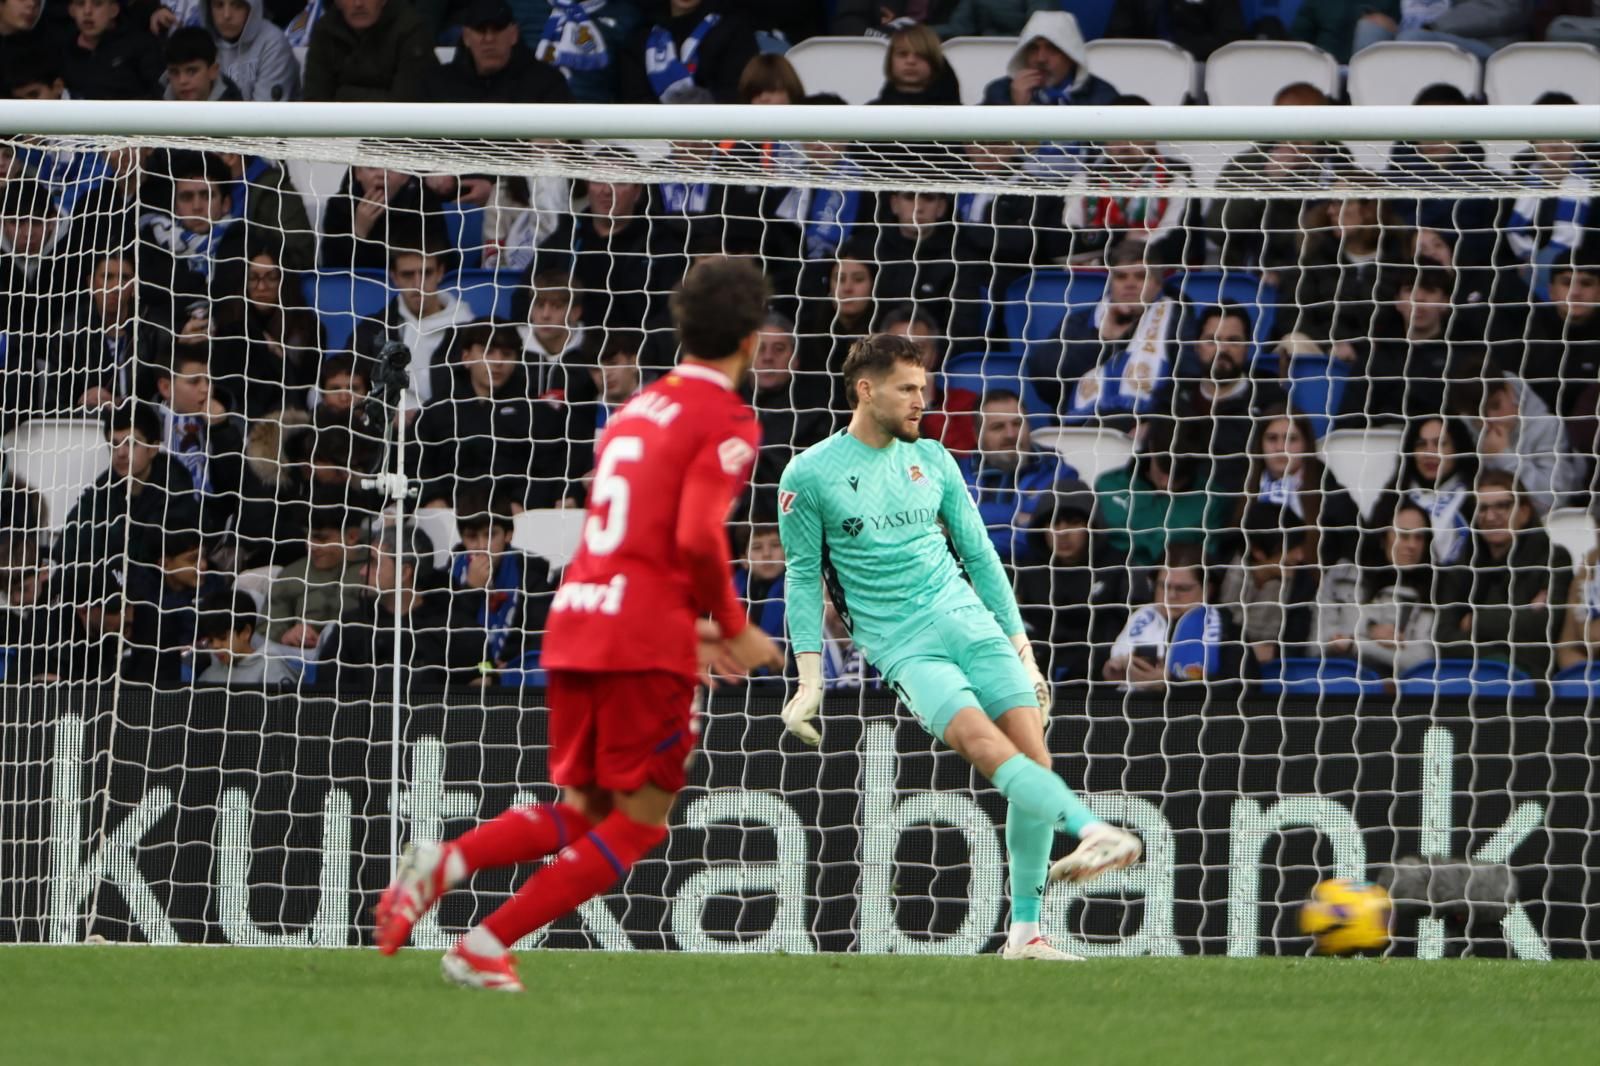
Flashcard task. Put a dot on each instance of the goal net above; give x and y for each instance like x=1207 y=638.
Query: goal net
x=1285 y=431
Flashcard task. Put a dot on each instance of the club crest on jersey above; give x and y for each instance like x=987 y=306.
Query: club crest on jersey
x=785 y=502
x=914 y=472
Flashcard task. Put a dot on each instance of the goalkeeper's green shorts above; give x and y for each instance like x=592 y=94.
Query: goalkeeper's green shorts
x=962 y=659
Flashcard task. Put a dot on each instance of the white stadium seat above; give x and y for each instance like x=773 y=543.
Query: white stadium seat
x=1159 y=71
x=317 y=183
x=255 y=583
x=1363 y=461
x=439 y=523
x=1521 y=73
x=1091 y=452
x=1396 y=71
x=977 y=61
x=1250 y=73
x=1571 y=528
x=849 y=66
x=552 y=533
x=58 y=458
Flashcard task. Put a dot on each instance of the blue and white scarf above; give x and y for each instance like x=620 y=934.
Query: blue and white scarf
x=1283 y=491
x=685 y=199
x=826 y=216
x=186 y=442
x=1565 y=229
x=571 y=40
x=1444 y=507
x=192 y=250
x=671 y=67
x=299 y=29
x=500 y=600
x=1132 y=379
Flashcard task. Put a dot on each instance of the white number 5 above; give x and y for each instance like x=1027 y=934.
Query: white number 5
x=603 y=535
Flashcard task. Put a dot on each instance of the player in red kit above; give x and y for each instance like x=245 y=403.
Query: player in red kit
x=629 y=637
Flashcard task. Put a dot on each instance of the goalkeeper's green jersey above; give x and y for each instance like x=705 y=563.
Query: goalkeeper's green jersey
x=871 y=524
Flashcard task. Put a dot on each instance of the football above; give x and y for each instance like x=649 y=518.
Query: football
x=1346 y=917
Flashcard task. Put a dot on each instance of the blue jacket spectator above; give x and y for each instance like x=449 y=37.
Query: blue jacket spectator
x=1006 y=477
x=580 y=39
x=1050 y=66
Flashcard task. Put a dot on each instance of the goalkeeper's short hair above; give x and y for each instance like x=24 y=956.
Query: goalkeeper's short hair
x=875 y=356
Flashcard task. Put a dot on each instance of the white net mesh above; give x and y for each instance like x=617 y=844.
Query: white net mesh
x=1288 y=448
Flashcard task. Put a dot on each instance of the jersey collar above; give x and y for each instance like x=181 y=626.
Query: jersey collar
x=704 y=373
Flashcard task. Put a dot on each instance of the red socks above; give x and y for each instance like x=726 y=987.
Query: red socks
x=521 y=834
x=584 y=869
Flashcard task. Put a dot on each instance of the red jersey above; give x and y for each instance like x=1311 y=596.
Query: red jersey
x=654 y=553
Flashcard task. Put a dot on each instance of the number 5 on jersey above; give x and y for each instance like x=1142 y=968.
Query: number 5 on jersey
x=602 y=534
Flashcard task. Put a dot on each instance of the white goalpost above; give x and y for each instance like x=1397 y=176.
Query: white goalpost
x=1283 y=420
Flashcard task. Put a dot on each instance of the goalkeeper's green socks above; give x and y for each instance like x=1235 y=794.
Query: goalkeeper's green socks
x=1028 y=841
x=1034 y=790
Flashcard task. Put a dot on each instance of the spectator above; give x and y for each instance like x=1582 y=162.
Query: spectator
x=1265 y=234
x=581 y=39
x=39 y=265
x=100 y=369
x=1157 y=502
x=1334 y=284
x=844 y=667
x=1268 y=589
x=1286 y=475
x=1580 y=622
x=1050 y=66
x=369 y=50
x=21 y=33
x=272 y=209
x=33 y=76
x=1328 y=24
x=1199 y=27
x=915 y=71
x=200 y=435
x=814 y=224
x=612 y=379
x=704 y=43
x=1437 y=468
x=554 y=335
x=181 y=247
x=1222 y=392
x=829 y=327
x=1516 y=433
x=274 y=491
x=498 y=595
x=118 y=521
x=706 y=217
x=1422 y=343
x=398 y=593
x=229 y=629
x=1580 y=23
x=493 y=66
x=1071 y=601
x=193 y=72
x=423 y=316
x=770 y=79
x=524 y=214
x=990 y=18
x=1481 y=27
x=374 y=211
x=916 y=253
x=1453 y=164
x=1381 y=611
x=310 y=594
x=622 y=273
x=95 y=639
x=791 y=406
x=1561 y=352
x=1138 y=657
x=1118 y=356
x=254 y=53
x=270 y=341
x=1509 y=599
x=341 y=395
x=1537 y=231
x=483 y=422
x=1007 y=478
x=758 y=579
x=1105 y=215
x=947 y=415
x=164 y=599
x=110 y=58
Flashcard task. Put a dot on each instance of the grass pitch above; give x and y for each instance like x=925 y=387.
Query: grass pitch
x=131 y=1006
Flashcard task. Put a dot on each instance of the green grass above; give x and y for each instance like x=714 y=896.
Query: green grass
x=129 y=1006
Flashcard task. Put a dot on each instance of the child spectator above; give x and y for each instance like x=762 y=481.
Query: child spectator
x=229 y=629
x=109 y=58
x=181 y=248
x=554 y=334
x=499 y=595
x=197 y=431
x=270 y=341
x=341 y=395
x=1071 y=601
x=770 y=79
x=915 y=70
x=611 y=381
x=1516 y=433
x=253 y=52
x=1050 y=66
x=916 y=253
x=164 y=599
x=1006 y=477
x=369 y=50
x=193 y=72
x=1538 y=231
x=423 y=316
x=309 y=595
x=97 y=367
x=829 y=327
x=759 y=580
x=1381 y=611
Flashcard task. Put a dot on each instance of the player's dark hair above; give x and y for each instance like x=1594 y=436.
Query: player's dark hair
x=875 y=356
x=721 y=302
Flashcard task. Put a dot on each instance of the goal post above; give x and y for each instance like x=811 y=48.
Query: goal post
x=1282 y=419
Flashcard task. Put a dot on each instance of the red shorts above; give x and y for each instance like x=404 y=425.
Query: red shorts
x=621 y=731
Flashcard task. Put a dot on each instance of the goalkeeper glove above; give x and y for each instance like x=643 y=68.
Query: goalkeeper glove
x=1041 y=687
x=803 y=705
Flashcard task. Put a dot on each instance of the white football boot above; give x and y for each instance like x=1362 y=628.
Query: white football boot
x=1100 y=850
x=1040 y=949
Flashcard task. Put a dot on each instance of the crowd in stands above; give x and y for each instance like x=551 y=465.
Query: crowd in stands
x=238 y=535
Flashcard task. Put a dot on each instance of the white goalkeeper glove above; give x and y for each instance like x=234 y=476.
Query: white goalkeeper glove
x=803 y=705
x=1041 y=687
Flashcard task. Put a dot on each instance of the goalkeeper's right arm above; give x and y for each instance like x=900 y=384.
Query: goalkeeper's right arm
x=800 y=528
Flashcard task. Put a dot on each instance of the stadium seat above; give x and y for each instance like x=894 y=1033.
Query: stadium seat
x=1571 y=528
x=1396 y=71
x=255 y=583
x=1316 y=387
x=1521 y=73
x=1202 y=288
x=1089 y=451
x=463 y=225
x=1159 y=71
x=1247 y=73
x=979 y=372
x=1037 y=303
x=1328 y=677
x=439 y=523
x=58 y=458
x=446 y=54
x=317 y=183
x=977 y=61
x=1092 y=16
x=552 y=533
x=342 y=298
x=525 y=672
x=488 y=293
x=1465 y=677
x=849 y=66
x=1363 y=461
x=1580 y=682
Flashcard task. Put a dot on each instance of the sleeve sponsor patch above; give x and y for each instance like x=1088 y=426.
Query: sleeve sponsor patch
x=786 y=502
x=735 y=454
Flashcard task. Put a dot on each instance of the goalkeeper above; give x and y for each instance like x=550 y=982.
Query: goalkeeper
x=866 y=512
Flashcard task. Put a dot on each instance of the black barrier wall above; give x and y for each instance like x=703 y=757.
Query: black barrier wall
x=241 y=819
